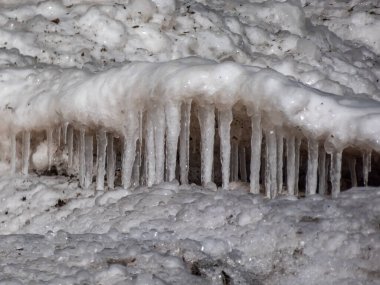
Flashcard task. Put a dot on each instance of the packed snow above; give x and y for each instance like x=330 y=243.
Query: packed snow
x=114 y=113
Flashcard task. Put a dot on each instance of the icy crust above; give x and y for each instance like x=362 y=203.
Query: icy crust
x=38 y=99
x=52 y=232
x=287 y=36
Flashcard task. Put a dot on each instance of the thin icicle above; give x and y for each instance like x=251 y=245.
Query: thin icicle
x=50 y=146
x=173 y=128
x=352 y=166
x=256 y=139
x=297 y=164
x=184 y=145
x=70 y=146
x=13 y=153
x=89 y=160
x=59 y=133
x=206 y=117
x=138 y=159
x=235 y=160
x=271 y=164
x=290 y=164
x=242 y=164
x=25 y=152
x=64 y=131
x=225 y=119
x=129 y=150
x=150 y=154
x=82 y=157
x=111 y=161
x=335 y=172
x=366 y=166
x=322 y=171
x=158 y=120
x=280 y=160
x=101 y=145
x=312 y=167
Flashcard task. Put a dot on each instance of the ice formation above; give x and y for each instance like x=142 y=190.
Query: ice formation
x=141 y=117
x=264 y=95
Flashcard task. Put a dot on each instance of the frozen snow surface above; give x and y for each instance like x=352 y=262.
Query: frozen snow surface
x=171 y=234
x=129 y=73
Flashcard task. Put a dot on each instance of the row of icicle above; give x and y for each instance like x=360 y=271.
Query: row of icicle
x=151 y=142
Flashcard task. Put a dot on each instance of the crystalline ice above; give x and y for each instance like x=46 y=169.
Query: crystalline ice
x=185 y=142
x=206 y=117
x=101 y=146
x=290 y=164
x=312 y=167
x=224 y=124
x=256 y=138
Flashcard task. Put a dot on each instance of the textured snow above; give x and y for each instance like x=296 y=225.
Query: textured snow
x=301 y=67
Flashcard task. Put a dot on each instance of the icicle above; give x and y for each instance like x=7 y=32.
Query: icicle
x=158 y=120
x=352 y=166
x=173 y=127
x=256 y=139
x=13 y=153
x=50 y=146
x=335 y=172
x=280 y=160
x=101 y=146
x=290 y=164
x=111 y=161
x=235 y=160
x=366 y=166
x=59 y=131
x=64 y=131
x=150 y=154
x=184 y=142
x=297 y=164
x=242 y=164
x=271 y=164
x=70 y=146
x=312 y=167
x=129 y=150
x=322 y=171
x=225 y=119
x=25 y=152
x=82 y=157
x=206 y=117
x=89 y=160
x=138 y=158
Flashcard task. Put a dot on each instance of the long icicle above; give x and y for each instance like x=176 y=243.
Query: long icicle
x=13 y=153
x=70 y=146
x=173 y=128
x=225 y=119
x=25 y=152
x=184 y=145
x=158 y=121
x=150 y=154
x=101 y=145
x=335 y=172
x=89 y=160
x=136 y=173
x=82 y=156
x=271 y=163
x=50 y=146
x=256 y=139
x=290 y=164
x=280 y=160
x=129 y=151
x=298 y=142
x=312 y=167
x=322 y=171
x=366 y=166
x=111 y=161
x=206 y=117
x=64 y=132
x=352 y=166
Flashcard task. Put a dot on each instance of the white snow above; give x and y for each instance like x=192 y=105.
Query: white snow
x=250 y=99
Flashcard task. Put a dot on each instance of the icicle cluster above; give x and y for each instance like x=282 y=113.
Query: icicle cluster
x=219 y=136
